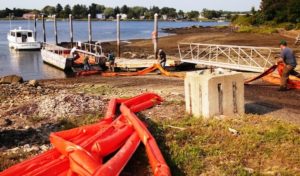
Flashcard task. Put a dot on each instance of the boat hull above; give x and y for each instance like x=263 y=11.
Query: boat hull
x=25 y=46
x=56 y=60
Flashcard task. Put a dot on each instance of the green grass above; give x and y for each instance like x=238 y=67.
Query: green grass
x=260 y=30
x=207 y=147
x=73 y=122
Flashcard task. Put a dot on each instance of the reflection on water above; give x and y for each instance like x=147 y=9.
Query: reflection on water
x=28 y=64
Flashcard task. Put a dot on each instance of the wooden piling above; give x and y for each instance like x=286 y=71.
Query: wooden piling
x=155 y=36
x=71 y=29
x=44 y=28
x=55 y=30
x=118 y=36
x=35 y=27
x=90 y=28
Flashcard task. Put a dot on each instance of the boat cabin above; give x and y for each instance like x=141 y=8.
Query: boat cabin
x=21 y=36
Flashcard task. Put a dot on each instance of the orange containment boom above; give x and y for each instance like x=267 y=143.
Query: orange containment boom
x=138 y=73
x=87 y=150
x=158 y=164
x=293 y=83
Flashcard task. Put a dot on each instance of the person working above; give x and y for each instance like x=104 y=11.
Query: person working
x=163 y=58
x=74 y=53
x=86 y=64
x=288 y=57
x=111 y=60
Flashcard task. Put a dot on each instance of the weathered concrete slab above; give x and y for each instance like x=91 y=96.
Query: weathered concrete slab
x=210 y=94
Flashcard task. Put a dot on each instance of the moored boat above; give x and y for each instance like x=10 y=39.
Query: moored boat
x=63 y=59
x=21 y=39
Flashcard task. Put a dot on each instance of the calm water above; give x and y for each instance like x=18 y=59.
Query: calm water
x=30 y=65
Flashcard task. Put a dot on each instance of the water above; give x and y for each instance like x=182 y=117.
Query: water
x=29 y=64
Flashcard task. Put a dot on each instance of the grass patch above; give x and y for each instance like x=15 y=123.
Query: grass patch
x=74 y=122
x=98 y=89
x=259 y=30
x=9 y=159
x=263 y=146
x=35 y=119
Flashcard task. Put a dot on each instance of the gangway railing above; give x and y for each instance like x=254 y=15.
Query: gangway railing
x=245 y=58
x=91 y=49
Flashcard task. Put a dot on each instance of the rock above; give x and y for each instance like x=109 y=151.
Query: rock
x=33 y=83
x=14 y=150
x=8 y=122
x=151 y=57
x=249 y=170
x=26 y=146
x=39 y=88
x=44 y=147
x=11 y=79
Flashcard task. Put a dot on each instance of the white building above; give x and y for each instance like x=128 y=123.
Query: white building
x=165 y=17
x=100 y=16
x=124 y=16
x=201 y=16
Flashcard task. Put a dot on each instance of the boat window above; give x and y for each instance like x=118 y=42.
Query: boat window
x=29 y=34
x=13 y=34
x=19 y=34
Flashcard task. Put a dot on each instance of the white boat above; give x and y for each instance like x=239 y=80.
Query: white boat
x=57 y=56
x=62 y=58
x=20 y=39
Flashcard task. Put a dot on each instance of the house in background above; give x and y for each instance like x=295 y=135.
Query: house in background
x=124 y=16
x=165 y=17
x=29 y=16
x=100 y=16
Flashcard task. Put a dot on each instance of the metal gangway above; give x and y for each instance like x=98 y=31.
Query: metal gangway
x=244 y=58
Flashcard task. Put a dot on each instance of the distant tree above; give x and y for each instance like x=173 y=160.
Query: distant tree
x=170 y=12
x=79 y=11
x=100 y=8
x=66 y=11
x=180 y=14
x=253 y=11
x=210 y=14
x=155 y=9
x=193 y=14
x=294 y=11
x=274 y=10
x=124 y=9
x=48 y=10
x=117 y=10
x=138 y=11
x=108 y=12
x=58 y=10
x=93 y=10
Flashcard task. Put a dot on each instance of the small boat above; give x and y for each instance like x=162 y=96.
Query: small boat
x=62 y=58
x=57 y=56
x=20 y=39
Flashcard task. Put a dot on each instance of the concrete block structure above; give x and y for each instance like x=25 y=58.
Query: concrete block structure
x=209 y=94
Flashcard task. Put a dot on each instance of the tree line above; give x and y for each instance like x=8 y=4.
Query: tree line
x=80 y=11
x=273 y=12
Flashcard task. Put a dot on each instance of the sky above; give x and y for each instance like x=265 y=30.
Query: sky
x=186 y=5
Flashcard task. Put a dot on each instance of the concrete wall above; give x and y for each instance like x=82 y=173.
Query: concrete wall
x=211 y=94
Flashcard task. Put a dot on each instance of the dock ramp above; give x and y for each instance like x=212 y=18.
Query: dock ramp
x=244 y=58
